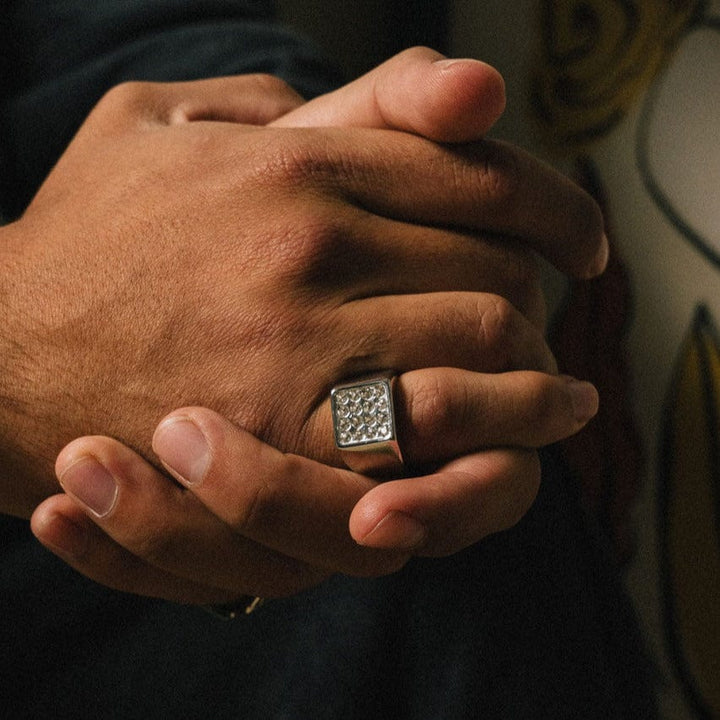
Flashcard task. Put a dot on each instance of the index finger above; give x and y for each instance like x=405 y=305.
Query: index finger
x=487 y=187
x=494 y=187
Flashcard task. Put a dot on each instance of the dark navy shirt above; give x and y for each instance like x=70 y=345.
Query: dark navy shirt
x=528 y=624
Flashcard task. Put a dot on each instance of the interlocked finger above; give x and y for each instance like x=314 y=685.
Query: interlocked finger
x=63 y=527
x=376 y=256
x=296 y=507
x=473 y=331
x=168 y=528
x=301 y=508
x=465 y=501
x=442 y=413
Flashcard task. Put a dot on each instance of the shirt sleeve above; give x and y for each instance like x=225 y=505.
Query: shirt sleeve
x=60 y=56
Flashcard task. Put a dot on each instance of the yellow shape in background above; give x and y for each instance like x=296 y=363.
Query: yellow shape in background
x=690 y=517
x=597 y=56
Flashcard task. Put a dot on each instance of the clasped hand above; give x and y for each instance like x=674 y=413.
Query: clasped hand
x=224 y=247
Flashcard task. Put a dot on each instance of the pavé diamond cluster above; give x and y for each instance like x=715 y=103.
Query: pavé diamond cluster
x=363 y=413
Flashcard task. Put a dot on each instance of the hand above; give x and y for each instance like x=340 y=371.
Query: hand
x=175 y=256
x=536 y=410
x=260 y=522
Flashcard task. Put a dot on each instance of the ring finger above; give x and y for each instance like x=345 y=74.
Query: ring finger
x=442 y=413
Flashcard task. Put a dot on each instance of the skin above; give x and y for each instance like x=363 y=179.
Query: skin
x=176 y=286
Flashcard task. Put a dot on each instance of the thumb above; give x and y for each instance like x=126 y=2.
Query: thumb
x=418 y=91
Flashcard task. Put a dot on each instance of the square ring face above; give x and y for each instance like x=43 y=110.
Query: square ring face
x=363 y=414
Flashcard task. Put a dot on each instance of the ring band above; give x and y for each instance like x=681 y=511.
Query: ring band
x=365 y=428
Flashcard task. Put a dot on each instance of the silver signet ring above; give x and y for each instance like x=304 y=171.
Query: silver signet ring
x=365 y=427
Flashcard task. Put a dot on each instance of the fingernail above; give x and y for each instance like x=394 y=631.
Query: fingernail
x=449 y=62
x=90 y=483
x=601 y=259
x=584 y=398
x=396 y=531
x=183 y=449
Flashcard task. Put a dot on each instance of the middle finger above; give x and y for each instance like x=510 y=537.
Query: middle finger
x=375 y=256
x=472 y=331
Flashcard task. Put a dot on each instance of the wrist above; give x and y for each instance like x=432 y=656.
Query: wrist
x=26 y=468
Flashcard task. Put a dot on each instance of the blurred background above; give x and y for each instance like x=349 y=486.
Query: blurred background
x=359 y=34
x=623 y=96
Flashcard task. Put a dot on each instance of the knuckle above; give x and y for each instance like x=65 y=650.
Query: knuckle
x=126 y=104
x=127 y=96
x=497 y=322
x=538 y=402
x=496 y=177
x=294 y=159
x=157 y=543
x=543 y=409
x=259 y=509
x=429 y=408
x=522 y=277
x=502 y=178
x=434 y=411
x=318 y=237
x=512 y=341
x=313 y=247
x=271 y=84
x=362 y=351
